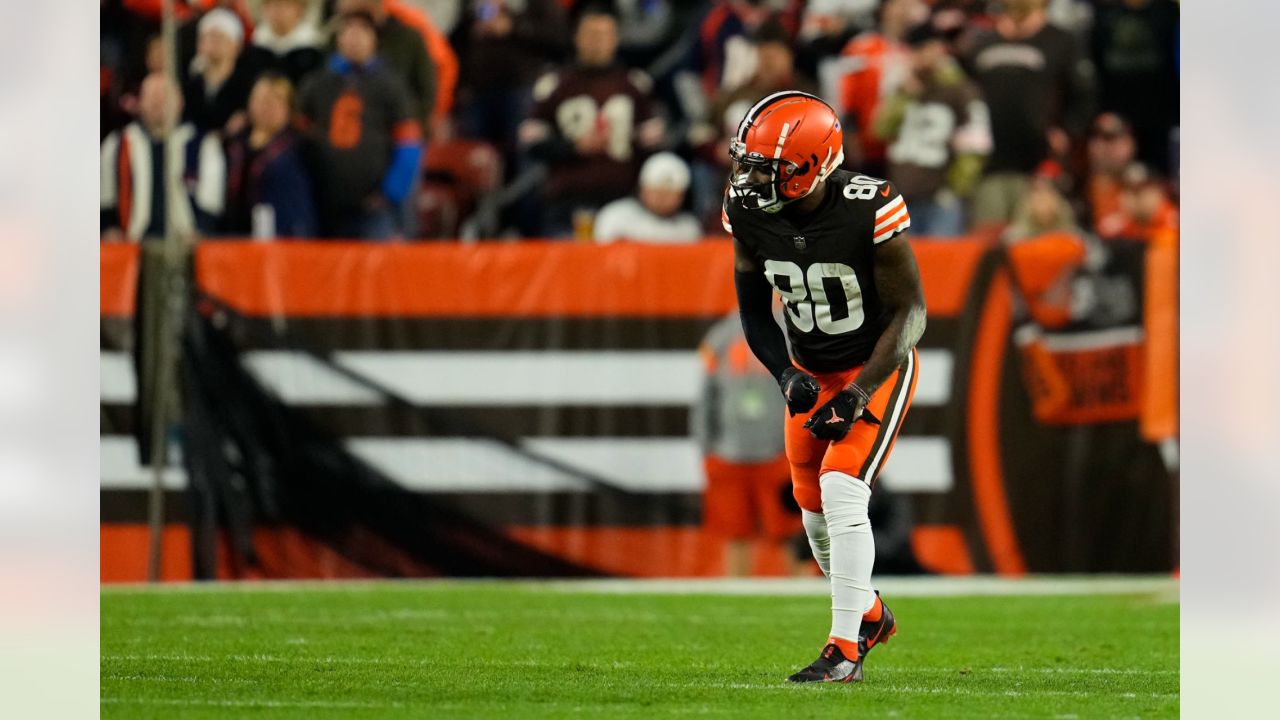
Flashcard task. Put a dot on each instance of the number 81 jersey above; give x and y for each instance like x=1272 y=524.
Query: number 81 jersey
x=822 y=266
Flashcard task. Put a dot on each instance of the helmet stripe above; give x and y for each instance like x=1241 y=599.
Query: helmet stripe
x=782 y=139
x=759 y=107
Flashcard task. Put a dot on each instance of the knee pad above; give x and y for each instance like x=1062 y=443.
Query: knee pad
x=844 y=502
x=815 y=525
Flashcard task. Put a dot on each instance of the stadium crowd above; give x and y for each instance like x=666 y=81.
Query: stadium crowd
x=444 y=119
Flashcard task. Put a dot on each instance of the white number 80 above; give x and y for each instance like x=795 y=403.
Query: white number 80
x=805 y=297
x=861 y=187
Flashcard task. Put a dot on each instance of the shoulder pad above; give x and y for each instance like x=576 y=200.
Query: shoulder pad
x=857 y=186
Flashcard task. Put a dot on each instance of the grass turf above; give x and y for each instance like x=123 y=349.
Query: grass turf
x=442 y=650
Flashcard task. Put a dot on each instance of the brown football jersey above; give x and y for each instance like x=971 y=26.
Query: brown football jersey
x=823 y=267
x=576 y=100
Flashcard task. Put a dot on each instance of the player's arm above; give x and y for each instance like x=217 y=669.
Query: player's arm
x=764 y=337
x=897 y=281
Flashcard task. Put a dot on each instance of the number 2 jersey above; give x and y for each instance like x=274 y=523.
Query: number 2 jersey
x=822 y=266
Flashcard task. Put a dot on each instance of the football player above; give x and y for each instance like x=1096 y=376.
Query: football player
x=832 y=243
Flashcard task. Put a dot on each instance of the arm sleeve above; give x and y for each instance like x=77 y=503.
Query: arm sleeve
x=892 y=218
x=406 y=156
x=211 y=182
x=764 y=337
x=107 y=191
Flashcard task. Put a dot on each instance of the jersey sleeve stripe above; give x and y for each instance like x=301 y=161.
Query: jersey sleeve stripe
x=890 y=207
x=724 y=220
x=902 y=212
x=889 y=232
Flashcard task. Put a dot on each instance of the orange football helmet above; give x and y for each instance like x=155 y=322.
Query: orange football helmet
x=785 y=144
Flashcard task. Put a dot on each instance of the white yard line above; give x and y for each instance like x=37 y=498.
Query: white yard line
x=889 y=689
x=333 y=660
x=910 y=586
x=949 y=691
x=267 y=703
x=922 y=586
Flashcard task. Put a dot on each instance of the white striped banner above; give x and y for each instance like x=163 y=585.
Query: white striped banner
x=494 y=378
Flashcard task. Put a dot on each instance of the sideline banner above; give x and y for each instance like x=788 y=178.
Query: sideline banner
x=530 y=402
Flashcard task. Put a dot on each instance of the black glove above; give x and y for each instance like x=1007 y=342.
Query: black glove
x=800 y=390
x=833 y=420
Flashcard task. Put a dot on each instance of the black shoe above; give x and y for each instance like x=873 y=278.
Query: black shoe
x=871 y=634
x=831 y=666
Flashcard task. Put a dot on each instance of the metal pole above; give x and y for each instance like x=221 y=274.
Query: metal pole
x=168 y=285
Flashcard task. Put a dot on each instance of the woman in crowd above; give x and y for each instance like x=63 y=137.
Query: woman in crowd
x=268 y=190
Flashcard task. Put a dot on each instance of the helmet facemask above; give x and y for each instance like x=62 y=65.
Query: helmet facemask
x=756 y=194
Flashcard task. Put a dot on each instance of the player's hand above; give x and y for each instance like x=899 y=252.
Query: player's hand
x=800 y=390
x=834 y=419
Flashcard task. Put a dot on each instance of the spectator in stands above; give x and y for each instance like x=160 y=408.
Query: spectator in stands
x=737 y=422
x=268 y=188
x=828 y=25
x=1111 y=150
x=153 y=60
x=590 y=122
x=404 y=52
x=135 y=203
x=877 y=62
x=726 y=56
x=188 y=38
x=218 y=87
x=1039 y=91
x=937 y=130
x=774 y=71
x=1145 y=212
x=656 y=214
x=1042 y=209
x=147 y=15
x=1135 y=49
x=647 y=29
x=503 y=47
x=444 y=14
x=286 y=41
x=443 y=58
x=366 y=138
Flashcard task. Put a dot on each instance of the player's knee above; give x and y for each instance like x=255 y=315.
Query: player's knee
x=808 y=497
x=844 y=500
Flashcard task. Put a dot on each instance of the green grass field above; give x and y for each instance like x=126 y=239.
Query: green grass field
x=516 y=650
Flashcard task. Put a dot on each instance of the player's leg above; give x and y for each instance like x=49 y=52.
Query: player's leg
x=859 y=619
x=804 y=454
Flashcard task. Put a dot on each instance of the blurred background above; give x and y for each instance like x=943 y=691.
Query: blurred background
x=395 y=288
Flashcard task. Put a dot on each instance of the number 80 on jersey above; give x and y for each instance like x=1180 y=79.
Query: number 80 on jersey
x=806 y=298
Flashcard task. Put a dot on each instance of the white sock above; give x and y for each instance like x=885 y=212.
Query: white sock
x=815 y=526
x=853 y=551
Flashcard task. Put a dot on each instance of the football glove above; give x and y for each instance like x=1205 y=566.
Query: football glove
x=834 y=419
x=800 y=390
